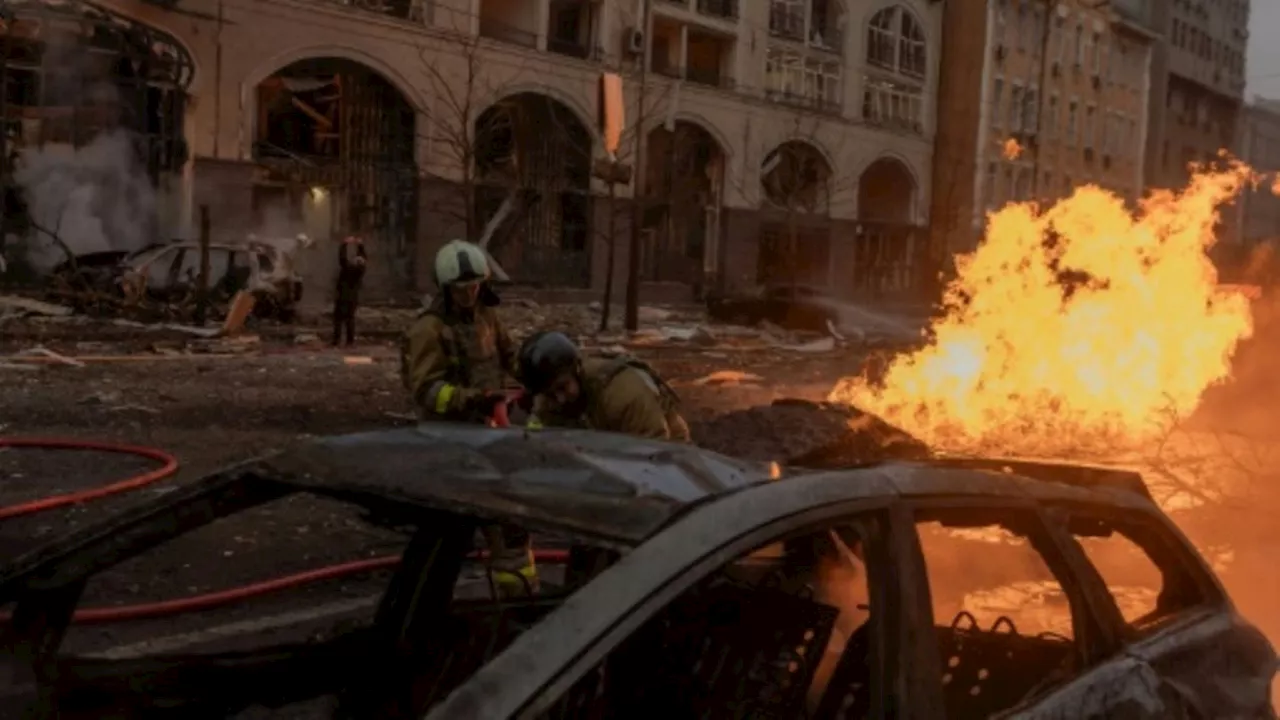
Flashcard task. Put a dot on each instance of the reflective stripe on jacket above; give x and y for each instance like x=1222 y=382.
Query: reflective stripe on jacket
x=449 y=360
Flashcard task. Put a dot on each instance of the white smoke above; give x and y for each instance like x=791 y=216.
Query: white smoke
x=281 y=228
x=94 y=198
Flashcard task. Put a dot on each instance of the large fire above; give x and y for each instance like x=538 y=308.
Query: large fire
x=1073 y=325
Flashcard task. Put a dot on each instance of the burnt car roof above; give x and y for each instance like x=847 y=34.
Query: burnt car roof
x=614 y=489
x=611 y=486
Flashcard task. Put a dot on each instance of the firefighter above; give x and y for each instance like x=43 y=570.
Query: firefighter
x=456 y=354
x=454 y=359
x=620 y=394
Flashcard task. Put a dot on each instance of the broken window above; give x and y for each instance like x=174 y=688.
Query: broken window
x=377 y=607
x=160 y=270
x=189 y=268
x=787 y=630
x=793 y=253
x=796 y=177
x=336 y=124
x=683 y=188
x=532 y=160
x=1007 y=626
x=1145 y=569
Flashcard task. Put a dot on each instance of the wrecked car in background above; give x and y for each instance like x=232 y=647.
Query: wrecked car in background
x=792 y=306
x=696 y=586
x=168 y=274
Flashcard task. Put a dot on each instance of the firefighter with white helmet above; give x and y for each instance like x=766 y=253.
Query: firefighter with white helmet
x=456 y=355
x=454 y=360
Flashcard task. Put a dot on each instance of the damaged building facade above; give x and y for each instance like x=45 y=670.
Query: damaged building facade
x=787 y=140
x=92 y=132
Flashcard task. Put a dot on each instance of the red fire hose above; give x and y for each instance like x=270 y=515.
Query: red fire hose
x=205 y=601
x=169 y=465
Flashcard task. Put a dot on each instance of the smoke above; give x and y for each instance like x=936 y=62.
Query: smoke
x=282 y=227
x=94 y=198
x=91 y=198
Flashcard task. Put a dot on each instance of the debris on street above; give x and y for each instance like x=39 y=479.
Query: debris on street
x=51 y=356
x=728 y=377
x=22 y=305
x=807 y=434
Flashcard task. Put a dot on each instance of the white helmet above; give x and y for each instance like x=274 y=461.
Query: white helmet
x=461 y=261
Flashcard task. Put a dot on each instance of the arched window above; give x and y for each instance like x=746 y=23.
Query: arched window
x=895 y=42
x=893 y=88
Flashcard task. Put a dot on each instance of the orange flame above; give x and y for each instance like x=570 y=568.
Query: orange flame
x=1012 y=150
x=1079 y=324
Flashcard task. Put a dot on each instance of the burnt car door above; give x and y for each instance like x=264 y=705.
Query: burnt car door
x=1174 y=617
x=768 y=603
x=159 y=272
x=1016 y=632
x=209 y=664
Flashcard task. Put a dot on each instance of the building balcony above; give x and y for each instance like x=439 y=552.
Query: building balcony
x=502 y=32
x=828 y=105
x=786 y=21
x=665 y=69
x=571 y=29
x=723 y=9
x=574 y=49
x=709 y=76
x=398 y=9
x=509 y=21
x=698 y=75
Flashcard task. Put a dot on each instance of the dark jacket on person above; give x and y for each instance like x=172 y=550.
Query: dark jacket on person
x=350 y=272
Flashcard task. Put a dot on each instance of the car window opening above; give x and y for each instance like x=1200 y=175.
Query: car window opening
x=201 y=653
x=493 y=606
x=784 y=631
x=1005 y=626
x=1149 y=582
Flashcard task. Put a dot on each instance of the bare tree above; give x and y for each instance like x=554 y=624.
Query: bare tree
x=458 y=85
x=461 y=131
x=518 y=168
x=621 y=169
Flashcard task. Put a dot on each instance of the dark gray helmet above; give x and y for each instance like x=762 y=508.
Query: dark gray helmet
x=543 y=357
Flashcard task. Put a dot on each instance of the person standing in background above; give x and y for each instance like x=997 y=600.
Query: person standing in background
x=347 y=295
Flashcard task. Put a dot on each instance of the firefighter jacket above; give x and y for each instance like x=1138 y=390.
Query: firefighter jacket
x=624 y=395
x=449 y=359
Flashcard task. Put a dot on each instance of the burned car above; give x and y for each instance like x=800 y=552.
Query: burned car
x=696 y=586
x=168 y=273
x=793 y=306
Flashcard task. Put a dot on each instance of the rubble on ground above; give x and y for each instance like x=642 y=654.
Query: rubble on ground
x=15 y=305
x=27 y=323
x=800 y=433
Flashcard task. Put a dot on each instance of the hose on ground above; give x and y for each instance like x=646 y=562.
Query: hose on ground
x=168 y=466
x=191 y=603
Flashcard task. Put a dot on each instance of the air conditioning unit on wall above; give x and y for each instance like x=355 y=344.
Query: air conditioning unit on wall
x=635 y=41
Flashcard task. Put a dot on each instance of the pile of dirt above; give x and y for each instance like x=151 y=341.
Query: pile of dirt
x=800 y=433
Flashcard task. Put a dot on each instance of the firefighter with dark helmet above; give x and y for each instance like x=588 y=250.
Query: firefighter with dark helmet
x=454 y=360
x=618 y=394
